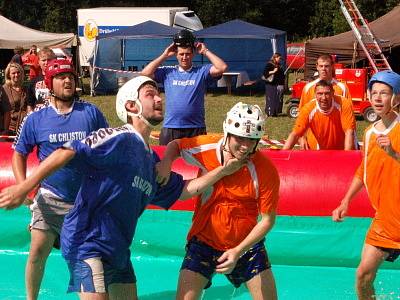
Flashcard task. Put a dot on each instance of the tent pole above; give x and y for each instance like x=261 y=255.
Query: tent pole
x=92 y=93
x=123 y=54
x=273 y=42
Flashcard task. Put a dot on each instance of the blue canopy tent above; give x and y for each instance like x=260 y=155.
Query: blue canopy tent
x=244 y=46
x=125 y=50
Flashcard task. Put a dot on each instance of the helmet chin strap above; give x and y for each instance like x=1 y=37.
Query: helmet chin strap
x=140 y=115
x=392 y=100
x=392 y=106
x=225 y=147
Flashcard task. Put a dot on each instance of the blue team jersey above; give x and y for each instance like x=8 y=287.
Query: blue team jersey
x=48 y=130
x=119 y=182
x=184 y=94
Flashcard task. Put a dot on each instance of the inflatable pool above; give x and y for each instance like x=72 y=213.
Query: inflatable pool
x=312 y=257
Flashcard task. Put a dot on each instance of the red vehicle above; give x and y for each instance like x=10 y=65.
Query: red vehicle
x=295 y=56
x=356 y=80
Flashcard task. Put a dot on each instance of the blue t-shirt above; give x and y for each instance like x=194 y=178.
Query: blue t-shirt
x=184 y=94
x=119 y=182
x=48 y=130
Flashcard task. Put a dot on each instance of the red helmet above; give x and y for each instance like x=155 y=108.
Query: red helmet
x=57 y=66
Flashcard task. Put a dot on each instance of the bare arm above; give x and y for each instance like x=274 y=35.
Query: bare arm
x=198 y=185
x=340 y=212
x=230 y=257
x=150 y=69
x=349 y=139
x=13 y=196
x=218 y=65
x=164 y=166
x=291 y=141
x=19 y=166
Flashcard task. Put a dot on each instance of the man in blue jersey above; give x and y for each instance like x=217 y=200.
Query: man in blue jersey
x=64 y=118
x=185 y=86
x=119 y=182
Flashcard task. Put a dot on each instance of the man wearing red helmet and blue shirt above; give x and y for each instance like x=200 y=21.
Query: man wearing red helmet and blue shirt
x=65 y=118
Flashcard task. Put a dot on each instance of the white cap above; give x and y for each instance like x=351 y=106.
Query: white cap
x=130 y=92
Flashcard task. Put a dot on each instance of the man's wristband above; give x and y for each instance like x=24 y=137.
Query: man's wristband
x=204 y=52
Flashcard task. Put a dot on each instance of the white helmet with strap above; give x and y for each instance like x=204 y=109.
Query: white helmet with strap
x=244 y=120
x=130 y=92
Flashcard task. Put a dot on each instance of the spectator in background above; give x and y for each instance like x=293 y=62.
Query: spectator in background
x=32 y=60
x=330 y=119
x=274 y=79
x=15 y=95
x=38 y=93
x=17 y=58
x=185 y=86
x=325 y=70
x=4 y=114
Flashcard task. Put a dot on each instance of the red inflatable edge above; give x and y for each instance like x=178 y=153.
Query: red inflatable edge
x=312 y=182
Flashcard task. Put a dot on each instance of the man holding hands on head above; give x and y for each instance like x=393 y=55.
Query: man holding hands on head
x=185 y=86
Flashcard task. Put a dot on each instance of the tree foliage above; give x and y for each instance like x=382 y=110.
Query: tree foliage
x=301 y=19
x=328 y=19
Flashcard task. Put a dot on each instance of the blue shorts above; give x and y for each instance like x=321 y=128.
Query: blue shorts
x=202 y=258
x=93 y=275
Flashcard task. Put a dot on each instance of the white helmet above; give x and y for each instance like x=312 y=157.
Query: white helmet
x=244 y=120
x=130 y=92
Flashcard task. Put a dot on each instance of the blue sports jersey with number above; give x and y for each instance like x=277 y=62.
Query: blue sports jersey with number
x=119 y=182
x=48 y=130
x=184 y=95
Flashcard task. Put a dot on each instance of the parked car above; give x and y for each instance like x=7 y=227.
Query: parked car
x=295 y=58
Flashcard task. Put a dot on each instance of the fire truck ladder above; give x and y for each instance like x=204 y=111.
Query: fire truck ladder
x=364 y=36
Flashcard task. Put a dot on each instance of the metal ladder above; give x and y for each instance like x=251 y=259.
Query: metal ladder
x=364 y=36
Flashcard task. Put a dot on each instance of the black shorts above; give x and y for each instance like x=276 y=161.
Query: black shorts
x=202 y=258
x=170 y=134
x=393 y=253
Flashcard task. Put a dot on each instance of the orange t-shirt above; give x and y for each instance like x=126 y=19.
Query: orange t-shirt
x=226 y=214
x=34 y=68
x=381 y=176
x=308 y=93
x=328 y=128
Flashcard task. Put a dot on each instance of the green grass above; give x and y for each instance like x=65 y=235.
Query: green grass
x=217 y=104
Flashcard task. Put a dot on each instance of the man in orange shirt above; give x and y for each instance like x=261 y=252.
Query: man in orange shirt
x=379 y=172
x=32 y=60
x=326 y=72
x=226 y=236
x=330 y=119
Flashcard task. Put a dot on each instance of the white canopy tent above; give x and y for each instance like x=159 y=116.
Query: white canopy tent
x=13 y=34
